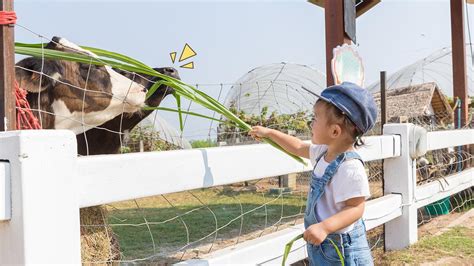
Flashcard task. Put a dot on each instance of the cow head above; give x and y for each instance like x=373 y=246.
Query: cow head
x=147 y=81
x=76 y=96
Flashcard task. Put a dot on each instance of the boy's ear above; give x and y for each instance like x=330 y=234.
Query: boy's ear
x=336 y=131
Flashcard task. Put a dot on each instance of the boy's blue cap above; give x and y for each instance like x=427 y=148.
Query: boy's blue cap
x=355 y=102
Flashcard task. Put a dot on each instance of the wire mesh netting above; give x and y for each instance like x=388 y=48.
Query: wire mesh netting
x=170 y=228
x=436 y=166
x=190 y=224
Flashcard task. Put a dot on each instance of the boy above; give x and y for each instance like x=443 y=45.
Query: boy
x=339 y=184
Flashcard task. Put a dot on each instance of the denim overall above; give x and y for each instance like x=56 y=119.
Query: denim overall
x=353 y=244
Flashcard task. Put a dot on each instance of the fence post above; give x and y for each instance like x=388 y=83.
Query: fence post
x=400 y=178
x=44 y=225
x=289 y=180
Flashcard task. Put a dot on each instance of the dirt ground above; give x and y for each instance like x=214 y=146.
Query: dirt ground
x=455 y=220
x=436 y=227
x=445 y=222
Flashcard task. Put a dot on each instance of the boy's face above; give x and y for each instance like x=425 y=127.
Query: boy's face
x=320 y=128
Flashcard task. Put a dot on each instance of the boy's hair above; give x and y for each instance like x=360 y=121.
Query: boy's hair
x=336 y=116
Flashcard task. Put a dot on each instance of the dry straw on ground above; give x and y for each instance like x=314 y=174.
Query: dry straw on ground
x=98 y=242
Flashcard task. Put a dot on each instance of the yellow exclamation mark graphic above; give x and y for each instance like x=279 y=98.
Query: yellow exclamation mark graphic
x=187 y=53
x=173 y=56
x=188 y=65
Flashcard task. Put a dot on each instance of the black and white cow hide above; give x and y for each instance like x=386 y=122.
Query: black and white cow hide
x=76 y=96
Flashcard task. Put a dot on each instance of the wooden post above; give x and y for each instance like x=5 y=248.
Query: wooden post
x=383 y=99
x=383 y=121
x=7 y=73
x=289 y=181
x=459 y=59
x=334 y=20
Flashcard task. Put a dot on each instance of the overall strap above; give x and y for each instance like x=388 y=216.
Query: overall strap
x=319 y=158
x=353 y=155
x=331 y=169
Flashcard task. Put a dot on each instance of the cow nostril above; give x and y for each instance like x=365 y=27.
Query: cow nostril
x=170 y=70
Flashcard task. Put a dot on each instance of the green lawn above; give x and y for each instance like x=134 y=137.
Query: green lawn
x=190 y=218
x=457 y=243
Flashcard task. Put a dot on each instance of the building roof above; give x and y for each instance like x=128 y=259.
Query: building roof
x=417 y=101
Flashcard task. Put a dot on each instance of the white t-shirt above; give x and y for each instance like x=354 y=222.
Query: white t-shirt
x=349 y=181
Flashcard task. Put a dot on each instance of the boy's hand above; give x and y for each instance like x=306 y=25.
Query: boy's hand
x=315 y=234
x=258 y=132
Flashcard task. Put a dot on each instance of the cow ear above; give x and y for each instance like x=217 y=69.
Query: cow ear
x=54 y=43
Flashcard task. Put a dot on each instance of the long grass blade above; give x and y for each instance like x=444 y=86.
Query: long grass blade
x=288 y=248
x=290 y=244
x=184 y=112
x=180 y=113
x=126 y=63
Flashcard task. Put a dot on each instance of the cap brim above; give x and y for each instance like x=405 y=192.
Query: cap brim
x=315 y=94
x=331 y=102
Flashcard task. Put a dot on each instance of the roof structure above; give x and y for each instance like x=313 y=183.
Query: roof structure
x=417 y=101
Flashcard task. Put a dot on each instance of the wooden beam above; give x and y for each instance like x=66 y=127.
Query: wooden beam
x=383 y=99
x=334 y=20
x=459 y=59
x=7 y=72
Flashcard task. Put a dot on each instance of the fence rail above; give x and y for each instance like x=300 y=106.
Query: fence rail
x=449 y=138
x=140 y=175
x=444 y=187
x=47 y=184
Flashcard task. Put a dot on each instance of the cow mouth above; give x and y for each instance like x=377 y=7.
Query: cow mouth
x=170 y=72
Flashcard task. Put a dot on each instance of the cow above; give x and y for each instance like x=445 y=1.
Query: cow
x=76 y=96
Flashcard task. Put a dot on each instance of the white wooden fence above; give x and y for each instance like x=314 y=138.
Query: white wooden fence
x=43 y=184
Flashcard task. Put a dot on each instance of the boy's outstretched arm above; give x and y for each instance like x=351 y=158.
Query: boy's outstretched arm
x=291 y=144
x=316 y=233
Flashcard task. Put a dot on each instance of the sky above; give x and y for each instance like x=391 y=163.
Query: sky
x=233 y=37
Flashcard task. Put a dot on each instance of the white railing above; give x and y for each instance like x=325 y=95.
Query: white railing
x=139 y=175
x=43 y=184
